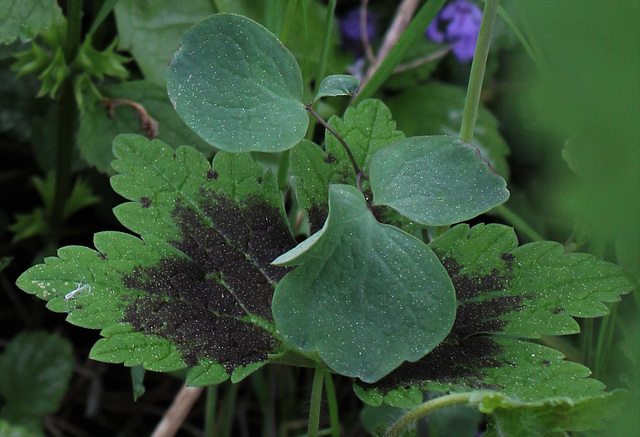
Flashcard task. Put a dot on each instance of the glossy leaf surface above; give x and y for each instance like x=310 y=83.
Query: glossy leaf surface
x=505 y=292
x=237 y=86
x=337 y=85
x=25 y=19
x=366 y=296
x=196 y=290
x=436 y=180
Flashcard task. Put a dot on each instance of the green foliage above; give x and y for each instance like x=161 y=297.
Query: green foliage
x=25 y=19
x=202 y=266
x=504 y=292
x=436 y=180
x=99 y=126
x=337 y=85
x=366 y=296
x=552 y=416
x=35 y=370
x=436 y=109
x=240 y=89
x=152 y=34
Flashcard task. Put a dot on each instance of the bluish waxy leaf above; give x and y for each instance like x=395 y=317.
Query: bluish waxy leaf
x=237 y=86
x=337 y=85
x=366 y=296
x=435 y=180
x=195 y=292
x=505 y=292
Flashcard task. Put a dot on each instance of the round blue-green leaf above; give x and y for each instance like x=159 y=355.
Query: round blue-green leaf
x=365 y=296
x=337 y=85
x=237 y=86
x=435 y=180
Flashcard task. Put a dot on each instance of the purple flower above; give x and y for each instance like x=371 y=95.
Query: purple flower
x=458 y=23
x=350 y=30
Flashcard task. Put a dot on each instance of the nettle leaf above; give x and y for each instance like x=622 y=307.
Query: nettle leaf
x=35 y=370
x=366 y=128
x=196 y=290
x=152 y=35
x=237 y=86
x=366 y=296
x=97 y=129
x=510 y=417
x=25 y=19
x=337 y=85
x=505 y=292
x=435 y=180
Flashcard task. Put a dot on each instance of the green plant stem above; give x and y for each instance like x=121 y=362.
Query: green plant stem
x=478 y=66
x=210 y=411
x=66 y=122
x=513 y=219
x=420 y=411
x=605 y=339
x=316 y=401
x=332 y=404
x=289 y=18
x=228 y=409
x=356 y=168
x=413 y=32
x=103 y=13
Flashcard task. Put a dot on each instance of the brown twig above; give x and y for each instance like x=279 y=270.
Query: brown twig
x=177 y=412
x=149 y=125
x=399 y=24
x=363 y=31
x=424 y=60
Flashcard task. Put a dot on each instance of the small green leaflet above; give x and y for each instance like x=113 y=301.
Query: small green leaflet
x=196 y=290
x=505 y=292
x=337 y=85
x=435 y=180
x=366 y=296
x=237 y=86
x=366 y=128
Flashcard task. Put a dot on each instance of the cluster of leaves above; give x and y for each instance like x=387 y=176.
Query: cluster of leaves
x=209 y=284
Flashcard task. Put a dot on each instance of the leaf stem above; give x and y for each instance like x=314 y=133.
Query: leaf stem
x=517 y=222
x=420 y=411
x=210 y=411
x=228 y=409
x=332 y=404
x=478 y=66
x=359 y=174
x=316 y=401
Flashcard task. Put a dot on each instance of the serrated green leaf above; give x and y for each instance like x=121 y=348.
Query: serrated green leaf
x=152 y=35
x=436 y=109
x=435 y=181
x=505 y=292
x=35 y=370
x=366 y=128
x=237 y=86
x=366 y=296
x=337 y=85
x=196 y=290
x=98 y=129
x=510 y=417
x=25 y=19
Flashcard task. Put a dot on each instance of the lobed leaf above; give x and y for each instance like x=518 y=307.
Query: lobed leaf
x=505 y=292
x=196 y=290
x=366 y=296
x=237 y=86
x=366 y=128
x=435 y=180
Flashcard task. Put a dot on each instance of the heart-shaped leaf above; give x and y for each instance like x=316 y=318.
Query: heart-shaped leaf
x=337 y=85
x=435 y=180
x=237 y=86
x=366 y=296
